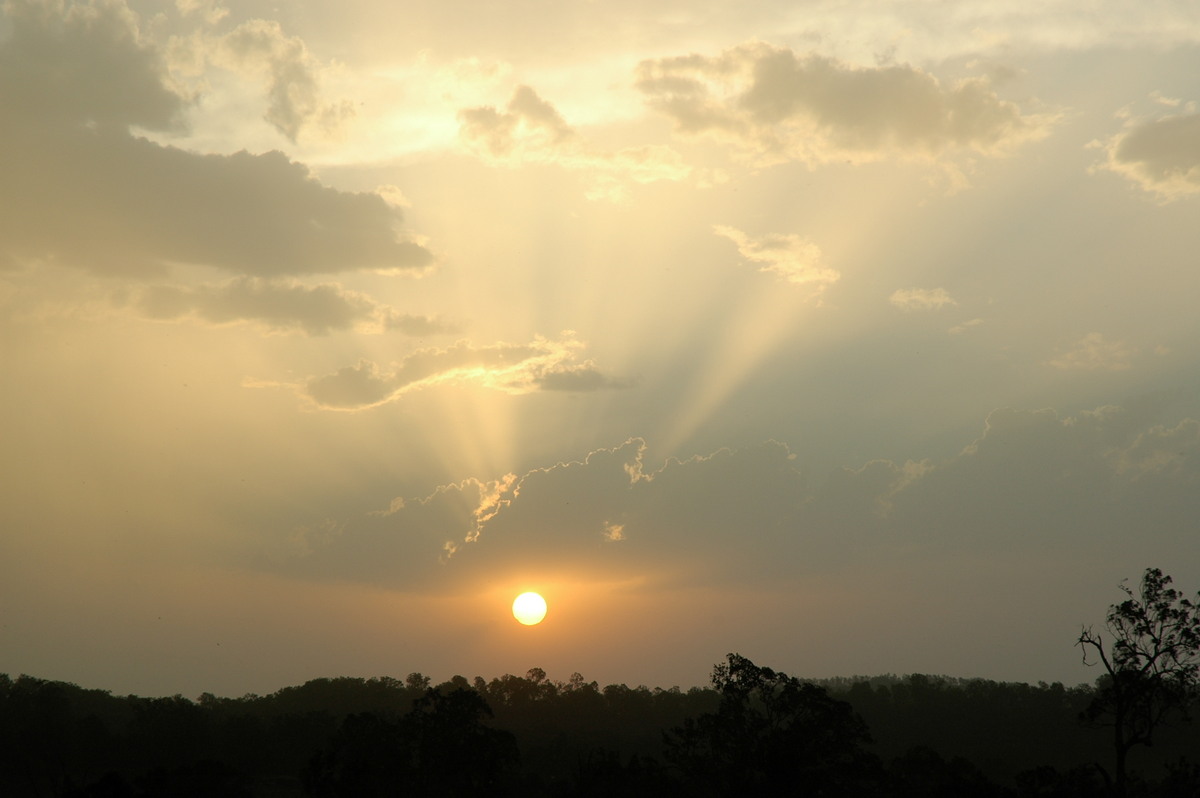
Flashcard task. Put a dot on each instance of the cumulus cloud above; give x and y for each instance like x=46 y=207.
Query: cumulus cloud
x=910 y=299
x=752 y=514
x=1162 y=156
x=531 y=130
x=543 y=364
x=74 y=80
x=789 y=257
x=775 y=105
x=282 y=306
x=1093 y=353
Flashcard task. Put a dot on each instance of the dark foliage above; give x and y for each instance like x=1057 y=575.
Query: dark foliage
x=772 y=735
x=1151 y=663
x=754 y=732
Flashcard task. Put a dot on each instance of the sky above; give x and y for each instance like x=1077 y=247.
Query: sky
x=854 y=337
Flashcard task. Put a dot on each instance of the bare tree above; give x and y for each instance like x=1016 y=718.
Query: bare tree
x=1151 y=660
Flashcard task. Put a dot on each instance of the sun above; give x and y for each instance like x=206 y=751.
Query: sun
x=529 y=608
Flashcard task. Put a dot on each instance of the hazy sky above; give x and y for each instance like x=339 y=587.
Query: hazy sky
x=856 y=337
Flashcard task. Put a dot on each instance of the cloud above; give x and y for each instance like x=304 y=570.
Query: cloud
x=211 y=11
x=531 y=130
x=580 y=378
x=1162 y=156
x=910 y=299
x=416 y=326
x=790 y=257
x=774 y=105
x=959 y=329
x=529 y=125
x=513 y=368
x=1093 y=353
x=751 y=514
x=74 y=79
x=295 y=104
x=282 y=306
x=69 y=65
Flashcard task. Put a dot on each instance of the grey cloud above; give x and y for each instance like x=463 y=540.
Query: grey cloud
x=86 y=192
x=283 y=306
x=1162 y=155
x=1105 y=479
x=777 y=105
x=404 y=543
x=732 y=504
x=513 y=368
x=68 y=65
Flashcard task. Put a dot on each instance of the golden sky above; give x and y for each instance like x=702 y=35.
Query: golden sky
x=855 y=337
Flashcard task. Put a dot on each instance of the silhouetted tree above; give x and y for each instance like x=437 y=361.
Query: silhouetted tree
x=924 y=773
x=1151 y=664
x=443 y=747
x=772 y=734
x=457 y=753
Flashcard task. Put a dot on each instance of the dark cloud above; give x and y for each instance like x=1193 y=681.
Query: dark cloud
x=80 y=188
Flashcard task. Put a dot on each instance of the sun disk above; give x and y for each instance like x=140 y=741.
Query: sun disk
x=529 y=608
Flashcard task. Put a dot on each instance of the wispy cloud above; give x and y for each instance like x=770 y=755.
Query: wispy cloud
x=788 y=256
x=543 y=364
x=910 y=299
x=1093 y=353
x=531 y=130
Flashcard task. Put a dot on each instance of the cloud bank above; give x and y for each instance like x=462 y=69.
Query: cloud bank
x=750 y=514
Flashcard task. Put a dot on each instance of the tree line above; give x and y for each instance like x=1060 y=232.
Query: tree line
x=753 y=732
